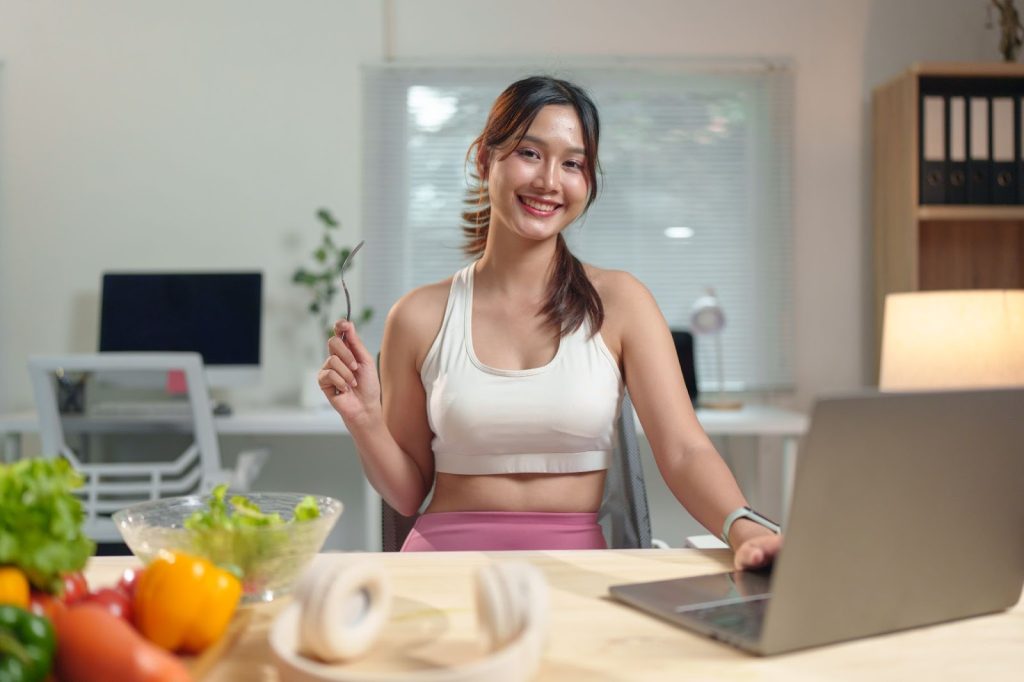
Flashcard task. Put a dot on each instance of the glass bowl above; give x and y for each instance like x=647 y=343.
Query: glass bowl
x=268 y=559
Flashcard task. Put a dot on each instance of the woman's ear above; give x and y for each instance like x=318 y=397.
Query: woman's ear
x=483 y=161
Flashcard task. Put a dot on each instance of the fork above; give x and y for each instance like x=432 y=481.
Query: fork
x=344 y=266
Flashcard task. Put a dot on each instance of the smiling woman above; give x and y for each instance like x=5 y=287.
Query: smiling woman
x=498 y=387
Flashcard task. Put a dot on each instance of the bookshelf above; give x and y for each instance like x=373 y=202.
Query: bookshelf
x=921 y=247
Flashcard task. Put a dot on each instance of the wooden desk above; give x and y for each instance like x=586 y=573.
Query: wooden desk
x=595 y=639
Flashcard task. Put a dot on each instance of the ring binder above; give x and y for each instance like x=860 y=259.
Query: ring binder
x=933 y=150
x=956 y=186
x=978 y=164
x=1004 y=161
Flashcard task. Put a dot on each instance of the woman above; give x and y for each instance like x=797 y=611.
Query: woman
x=499 y=386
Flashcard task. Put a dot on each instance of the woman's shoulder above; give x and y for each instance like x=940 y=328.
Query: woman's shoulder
x=617 y=288
x=421 y=308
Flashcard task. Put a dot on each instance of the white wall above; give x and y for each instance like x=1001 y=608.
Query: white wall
x=203 y=134
x=171 y=135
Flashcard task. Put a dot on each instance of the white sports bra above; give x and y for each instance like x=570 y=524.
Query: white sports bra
x=558 y=418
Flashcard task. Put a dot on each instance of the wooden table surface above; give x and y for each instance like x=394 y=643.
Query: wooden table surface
x=593 y=638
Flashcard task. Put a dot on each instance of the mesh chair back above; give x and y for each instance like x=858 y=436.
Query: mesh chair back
x=624 y=513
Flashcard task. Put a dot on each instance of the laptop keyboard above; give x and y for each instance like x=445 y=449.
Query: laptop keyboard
x=743 y=619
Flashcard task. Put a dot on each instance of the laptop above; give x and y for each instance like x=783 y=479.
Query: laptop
x=908 y=510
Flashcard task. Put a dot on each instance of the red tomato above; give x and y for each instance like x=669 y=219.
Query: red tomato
x=113 y=601
x=75 y=587
x=46 y=605
x=129 y=579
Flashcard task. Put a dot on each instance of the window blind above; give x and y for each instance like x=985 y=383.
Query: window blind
x=704 y=151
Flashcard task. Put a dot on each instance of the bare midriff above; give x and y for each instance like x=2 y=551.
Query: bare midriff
x=518 y=492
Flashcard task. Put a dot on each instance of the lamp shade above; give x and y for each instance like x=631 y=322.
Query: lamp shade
x=953 y=339
x=707 y=316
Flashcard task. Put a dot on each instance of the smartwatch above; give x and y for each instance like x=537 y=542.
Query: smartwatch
x=747 y=513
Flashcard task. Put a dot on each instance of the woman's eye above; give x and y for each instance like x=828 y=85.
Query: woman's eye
x=529 y=153
x=574 y=165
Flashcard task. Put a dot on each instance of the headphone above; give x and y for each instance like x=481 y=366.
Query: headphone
x=340 y=608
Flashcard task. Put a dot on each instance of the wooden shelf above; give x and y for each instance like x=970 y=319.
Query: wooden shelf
x=968 y=69
x=968 y=212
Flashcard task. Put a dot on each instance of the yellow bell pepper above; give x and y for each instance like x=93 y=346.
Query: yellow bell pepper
x=184 y=603
x=13 y=587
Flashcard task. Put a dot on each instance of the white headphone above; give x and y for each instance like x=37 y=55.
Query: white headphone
x=339 y=609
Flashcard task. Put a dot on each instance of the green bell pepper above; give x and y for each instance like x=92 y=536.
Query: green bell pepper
x=27 y=645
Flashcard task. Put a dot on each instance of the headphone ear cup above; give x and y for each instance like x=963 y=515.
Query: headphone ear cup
x=511 y=597
x=492 y=606
x=343 y=608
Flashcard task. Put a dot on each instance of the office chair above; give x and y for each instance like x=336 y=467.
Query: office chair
x=624 y=515
x=109 y=486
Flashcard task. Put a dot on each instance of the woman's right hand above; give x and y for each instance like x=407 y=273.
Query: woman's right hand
x=348 y=377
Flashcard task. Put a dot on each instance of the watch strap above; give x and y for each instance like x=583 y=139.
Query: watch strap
x=747 y=513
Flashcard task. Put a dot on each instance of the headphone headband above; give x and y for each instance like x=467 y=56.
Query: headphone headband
x=340 y=609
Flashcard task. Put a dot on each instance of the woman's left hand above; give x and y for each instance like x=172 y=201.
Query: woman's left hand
x=757 y=552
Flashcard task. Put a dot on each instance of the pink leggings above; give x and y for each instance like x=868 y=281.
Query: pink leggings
x=499 y=530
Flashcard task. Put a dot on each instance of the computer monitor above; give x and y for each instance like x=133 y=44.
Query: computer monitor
x=216 y=314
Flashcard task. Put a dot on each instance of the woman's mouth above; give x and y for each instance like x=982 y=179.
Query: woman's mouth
x=538 y=207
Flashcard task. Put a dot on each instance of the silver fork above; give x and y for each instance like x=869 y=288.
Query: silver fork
x=341 y=274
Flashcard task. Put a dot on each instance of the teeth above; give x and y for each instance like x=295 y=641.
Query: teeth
x=539 y=205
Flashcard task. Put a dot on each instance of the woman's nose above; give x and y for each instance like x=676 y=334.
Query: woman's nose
x=547 y=176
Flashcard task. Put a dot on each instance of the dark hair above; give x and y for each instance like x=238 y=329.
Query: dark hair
x=571 y=296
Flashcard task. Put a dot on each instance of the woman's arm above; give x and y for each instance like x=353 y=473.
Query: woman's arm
x=686 y=458
x=387 y=417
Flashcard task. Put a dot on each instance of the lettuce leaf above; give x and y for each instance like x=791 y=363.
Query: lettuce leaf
x=229 y=533
x=41 y=521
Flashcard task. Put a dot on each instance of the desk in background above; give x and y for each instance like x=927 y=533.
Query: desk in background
x=751 y=420
x=593 y=638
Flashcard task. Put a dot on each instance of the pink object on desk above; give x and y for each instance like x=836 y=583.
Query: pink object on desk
x=176 y=384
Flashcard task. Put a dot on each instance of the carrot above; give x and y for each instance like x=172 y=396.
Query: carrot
x=93 y=645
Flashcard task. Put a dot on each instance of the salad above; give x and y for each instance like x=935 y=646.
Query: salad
x=237 y=535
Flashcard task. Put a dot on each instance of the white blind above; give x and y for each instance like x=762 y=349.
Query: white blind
x=680 y=147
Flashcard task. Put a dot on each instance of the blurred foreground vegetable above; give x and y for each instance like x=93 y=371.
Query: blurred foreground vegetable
x=41 y=521
x=13 y=587
x=95 y=646
x=184 y=603
x=27 y=645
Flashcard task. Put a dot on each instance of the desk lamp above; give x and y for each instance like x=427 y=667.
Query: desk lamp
x=953 y=339
x=707 y=318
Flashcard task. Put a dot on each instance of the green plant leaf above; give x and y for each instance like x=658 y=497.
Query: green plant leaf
x=320 y=255
x=326 y=218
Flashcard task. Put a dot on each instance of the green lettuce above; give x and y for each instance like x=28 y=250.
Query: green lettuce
x=237 y=535
x=41 y=521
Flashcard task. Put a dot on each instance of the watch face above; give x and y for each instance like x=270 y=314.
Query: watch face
x=761 y=519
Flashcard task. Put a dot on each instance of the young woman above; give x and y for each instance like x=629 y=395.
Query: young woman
x=499 y=387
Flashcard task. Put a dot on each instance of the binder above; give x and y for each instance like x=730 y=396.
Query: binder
x=1004 y=158
x=933 y=150
x=979 y=190
x=1019 y=125
x=956 y=170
